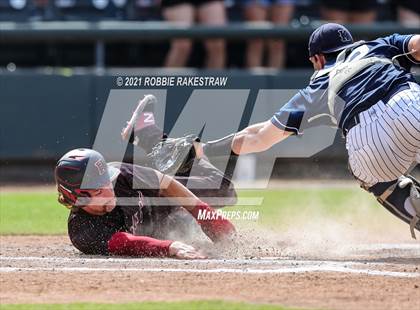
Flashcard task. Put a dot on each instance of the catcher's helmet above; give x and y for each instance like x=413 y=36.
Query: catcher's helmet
x=329 y=38
x=81 y=169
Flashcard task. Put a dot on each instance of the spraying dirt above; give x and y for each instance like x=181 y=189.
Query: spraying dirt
x=358 y=260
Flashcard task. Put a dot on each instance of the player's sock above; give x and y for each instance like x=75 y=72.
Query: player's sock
x=147 y=137
x=146 y=133
x=122 y=243
x=213 y=224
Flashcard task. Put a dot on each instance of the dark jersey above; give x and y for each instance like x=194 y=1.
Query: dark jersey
x=374 y=83
x=90 y=233
x=135 y=211
x=133 y=188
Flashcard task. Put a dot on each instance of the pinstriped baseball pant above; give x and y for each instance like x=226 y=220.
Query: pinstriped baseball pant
x=386 y=142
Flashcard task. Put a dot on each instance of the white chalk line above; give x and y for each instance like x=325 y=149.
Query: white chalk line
x=220 y=270
x=283 y=266
x=253 y=261
x=388 y=246
x=279 y=261
x=272 y=260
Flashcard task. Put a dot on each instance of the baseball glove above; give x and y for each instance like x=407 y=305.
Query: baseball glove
x=174 y=155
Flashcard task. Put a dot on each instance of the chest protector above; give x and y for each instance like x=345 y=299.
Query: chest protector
x=342 y=72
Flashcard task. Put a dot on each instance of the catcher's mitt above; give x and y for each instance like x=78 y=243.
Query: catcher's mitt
x=174 y=155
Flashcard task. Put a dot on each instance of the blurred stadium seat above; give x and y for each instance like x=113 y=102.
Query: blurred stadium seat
x=91 y=10
x=144 y=10
x=15 y=10
x=135 y=54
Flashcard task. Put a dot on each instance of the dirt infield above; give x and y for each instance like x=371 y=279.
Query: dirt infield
x=370 y=276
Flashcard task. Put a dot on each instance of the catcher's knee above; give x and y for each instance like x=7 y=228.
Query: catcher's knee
x=402 y=198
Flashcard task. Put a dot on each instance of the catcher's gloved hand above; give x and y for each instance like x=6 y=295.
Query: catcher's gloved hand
x=174 y=155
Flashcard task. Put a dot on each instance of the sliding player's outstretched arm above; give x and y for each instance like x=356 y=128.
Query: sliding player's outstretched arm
x=215 y=226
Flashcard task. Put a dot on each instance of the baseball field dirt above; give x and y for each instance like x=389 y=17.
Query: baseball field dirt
x=46 y=269
x=361 y=258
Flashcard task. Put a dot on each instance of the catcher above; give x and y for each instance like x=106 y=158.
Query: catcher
x=117 y=208
x=366 y=89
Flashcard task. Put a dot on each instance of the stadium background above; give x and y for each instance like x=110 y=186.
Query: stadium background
x=319 y=243
x=139 y=54
x=50 y=49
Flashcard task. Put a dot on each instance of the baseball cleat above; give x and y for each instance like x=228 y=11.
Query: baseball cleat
x=142 y=116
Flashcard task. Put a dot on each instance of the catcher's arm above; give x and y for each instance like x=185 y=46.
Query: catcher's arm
x=257 y=138
x=217 y=229
x=253 y=139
